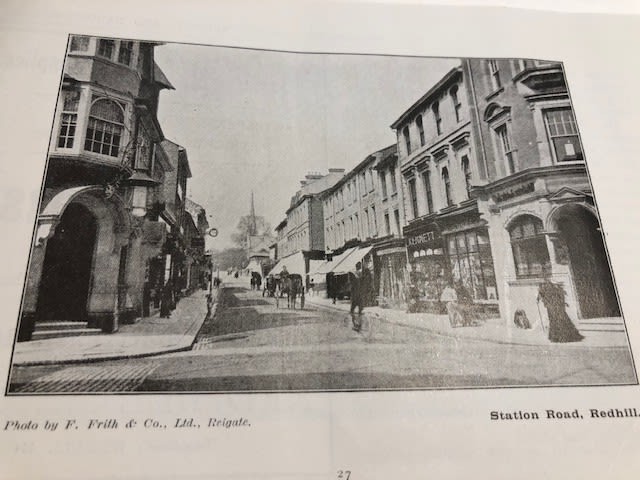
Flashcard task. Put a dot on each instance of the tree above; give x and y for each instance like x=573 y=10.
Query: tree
x=230 y=258
x=247 y=226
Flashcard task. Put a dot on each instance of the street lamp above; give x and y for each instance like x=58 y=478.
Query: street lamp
x=141 y=183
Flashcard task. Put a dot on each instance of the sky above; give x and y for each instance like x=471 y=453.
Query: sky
x=259 y=121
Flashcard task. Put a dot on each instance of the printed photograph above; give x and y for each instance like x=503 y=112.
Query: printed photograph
x=217 y=219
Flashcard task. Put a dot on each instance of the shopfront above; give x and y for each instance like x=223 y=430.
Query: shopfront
x=451 y=250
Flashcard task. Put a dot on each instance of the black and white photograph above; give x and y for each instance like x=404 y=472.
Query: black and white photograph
x=217 y=219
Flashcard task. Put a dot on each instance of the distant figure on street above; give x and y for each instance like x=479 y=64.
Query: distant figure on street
x=166 y=300
x=312 y=284
x=357 y=294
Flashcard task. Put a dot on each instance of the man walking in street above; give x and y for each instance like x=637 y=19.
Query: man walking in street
x=356 y=284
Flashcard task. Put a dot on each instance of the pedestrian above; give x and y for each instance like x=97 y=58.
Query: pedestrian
x=561 y=328
x=356 y=284
x=166 y=300
x=312 y=284
x=450 y=298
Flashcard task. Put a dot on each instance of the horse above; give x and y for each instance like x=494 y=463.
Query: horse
x=270 y=286
x=293 y=286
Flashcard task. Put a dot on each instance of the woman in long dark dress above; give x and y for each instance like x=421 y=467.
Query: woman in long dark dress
x=166 y=300
x=561 y=328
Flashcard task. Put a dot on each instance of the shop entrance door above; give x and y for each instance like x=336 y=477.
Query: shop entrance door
x=589 y=264
x=66 y=272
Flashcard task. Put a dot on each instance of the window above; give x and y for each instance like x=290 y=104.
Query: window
x=420 y=129
x=519 y=65
x=383 y=183
x=457 y=106
x=494 y=73
x=506 y=148
x=426 y=180
x=466 y=170
x=363 y=183
x=413 y=197
x=105 y=128
x=125 y=53
x=529 y=246
x=472 y=263
x=436 y=117
x=447 y=186
x=396 y=216
x=79 y=44
x=372 y=187
x=68 y=119
x=394 y=184
x=356 y=225
x=563 y=134
x=106 y=48
x=387 y=224
x=374 y=222
x=407 y=139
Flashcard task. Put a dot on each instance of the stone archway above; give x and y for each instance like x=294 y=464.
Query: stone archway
x=79 y=241
x=579 y=228
x=66 y=271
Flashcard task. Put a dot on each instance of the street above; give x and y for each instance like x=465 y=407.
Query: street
x=251 y=345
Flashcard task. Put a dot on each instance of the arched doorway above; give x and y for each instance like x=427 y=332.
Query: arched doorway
x=590 y=270
x=66 y=272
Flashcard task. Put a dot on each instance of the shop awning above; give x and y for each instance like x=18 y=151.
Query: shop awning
x=294 y=264
x=327 y=266
x=349 y=263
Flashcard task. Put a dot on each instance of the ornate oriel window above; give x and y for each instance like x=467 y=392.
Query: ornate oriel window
x=105 y=127
x=529 y=245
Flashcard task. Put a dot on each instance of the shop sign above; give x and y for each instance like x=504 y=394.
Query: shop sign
x=517 y=191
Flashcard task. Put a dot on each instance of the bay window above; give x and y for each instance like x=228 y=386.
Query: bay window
x=105 y=127
x=563 y=134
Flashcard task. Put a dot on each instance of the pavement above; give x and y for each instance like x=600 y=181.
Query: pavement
x=149 y=336
x=492 y=330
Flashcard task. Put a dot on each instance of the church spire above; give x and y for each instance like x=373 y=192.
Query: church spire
x=253 y=229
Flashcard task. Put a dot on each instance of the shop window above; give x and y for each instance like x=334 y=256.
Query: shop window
x=420 y=129
x=457 y=105
x=426 y=179
x=472 y=264
x=106 y=48
x=79 y=44
x=447 y=186
x=563 y=134
x=68 y=119
x=105 y=128
x=494 y=74
x=407 y=139
x=529 y=246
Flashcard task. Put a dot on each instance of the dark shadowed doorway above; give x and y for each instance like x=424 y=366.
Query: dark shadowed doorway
x=66 y=273
x=589 y=264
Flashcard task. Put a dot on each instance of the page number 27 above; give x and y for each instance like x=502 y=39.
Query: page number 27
x=344 y=474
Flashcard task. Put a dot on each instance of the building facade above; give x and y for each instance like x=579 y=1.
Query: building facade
x=300 y=236
x=537 y=199
x=95 y=228
x=447 y=239
x=363 y=221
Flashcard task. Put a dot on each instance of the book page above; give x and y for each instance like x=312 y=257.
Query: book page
x=303 y=240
